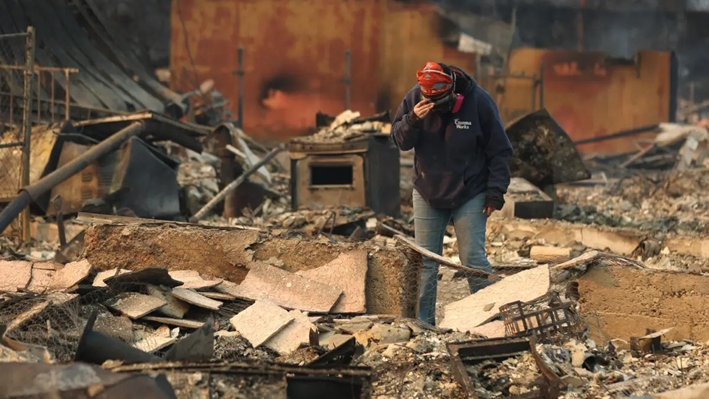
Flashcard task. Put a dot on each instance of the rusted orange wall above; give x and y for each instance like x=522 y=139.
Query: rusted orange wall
x=410 y=38
x=592 y=97
x=297 y=49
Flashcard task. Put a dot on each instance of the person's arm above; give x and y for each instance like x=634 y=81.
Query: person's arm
x=498 y=151
x=406 y=128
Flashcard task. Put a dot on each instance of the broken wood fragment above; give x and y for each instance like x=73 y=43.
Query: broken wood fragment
x=446 y=262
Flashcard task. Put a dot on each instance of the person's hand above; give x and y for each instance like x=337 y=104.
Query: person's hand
x=488 y=210
x=423 y=108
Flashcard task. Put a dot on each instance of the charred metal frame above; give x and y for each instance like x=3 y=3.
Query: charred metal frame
x=366 y=156
x=298 y=379
x=499 y=349
x=547 y=319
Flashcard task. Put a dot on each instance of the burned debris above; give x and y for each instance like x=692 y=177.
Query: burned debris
x=151 y=246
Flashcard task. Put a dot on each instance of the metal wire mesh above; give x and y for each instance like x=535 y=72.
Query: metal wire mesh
x=44 y=328
x=13 y=98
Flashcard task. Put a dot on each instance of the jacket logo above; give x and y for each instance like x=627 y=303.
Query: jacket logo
x=462 y=124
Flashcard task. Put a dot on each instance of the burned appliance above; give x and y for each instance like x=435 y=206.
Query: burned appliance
x=363 y=172
x=137 y=177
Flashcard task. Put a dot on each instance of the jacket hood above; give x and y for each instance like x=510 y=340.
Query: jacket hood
x=469 y=81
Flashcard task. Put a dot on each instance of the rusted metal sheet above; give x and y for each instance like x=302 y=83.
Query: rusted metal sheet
x=294 y=55
x=591 y=95
x=543 y=152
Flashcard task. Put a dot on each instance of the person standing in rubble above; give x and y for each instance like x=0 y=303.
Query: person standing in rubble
x=461 y=168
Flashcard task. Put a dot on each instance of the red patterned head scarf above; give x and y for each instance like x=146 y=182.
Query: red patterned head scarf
x=433 y=80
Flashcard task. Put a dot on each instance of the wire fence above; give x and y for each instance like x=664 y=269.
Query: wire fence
x=16 y=72
x=29 y=94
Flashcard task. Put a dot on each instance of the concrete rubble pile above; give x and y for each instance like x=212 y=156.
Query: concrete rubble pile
x=258 y=299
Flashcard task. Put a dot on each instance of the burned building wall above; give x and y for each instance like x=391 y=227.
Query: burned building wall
x=590 y=94
x=294 y=55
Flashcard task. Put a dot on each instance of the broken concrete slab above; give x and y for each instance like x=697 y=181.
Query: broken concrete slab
x=119 y=327
x=348 y=273
x=227 y=288
x=468 y=313
x=137 y=278
x=99 y=280
x=493 y=329
x=355 y=327
x=71 y=275
x=545 y=254
x=386 y=334
x=298 y=333
x=175 y=322
x=618 y=241
x=173 y=306
x=193 y=298
x=289 y=290
x=154 y=343
x=332 y=340
x=624 y=301
x=392 y=277
x=217 y=296
x=135 y=305
x=699 y=391
x=191 y=279
x=214 y=251
x=261 y=321
x=42 y=274
x=14 y=275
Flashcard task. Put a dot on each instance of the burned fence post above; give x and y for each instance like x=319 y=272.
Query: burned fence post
x=32 y=192
x=27 y=124
x=231 y=186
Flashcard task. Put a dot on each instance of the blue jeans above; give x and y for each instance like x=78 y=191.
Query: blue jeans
x=430 y=226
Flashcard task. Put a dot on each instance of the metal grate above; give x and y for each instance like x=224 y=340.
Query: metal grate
x=547 y=319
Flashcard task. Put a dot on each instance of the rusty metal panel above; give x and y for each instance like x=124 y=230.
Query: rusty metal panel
x=591 y=95
x=342 y=181
x=80 y=187
x=295 y=55
x=411 y=36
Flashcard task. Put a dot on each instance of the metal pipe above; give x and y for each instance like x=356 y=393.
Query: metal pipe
x=541 y=86
x=236 y=183
x=240 y=73
x=27 y=123
x=348 y=79
x=41 y=187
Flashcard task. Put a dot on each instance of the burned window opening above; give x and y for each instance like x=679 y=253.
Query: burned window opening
x=331 y=175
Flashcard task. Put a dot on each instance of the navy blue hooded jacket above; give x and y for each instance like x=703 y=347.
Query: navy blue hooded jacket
x=456 y=156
